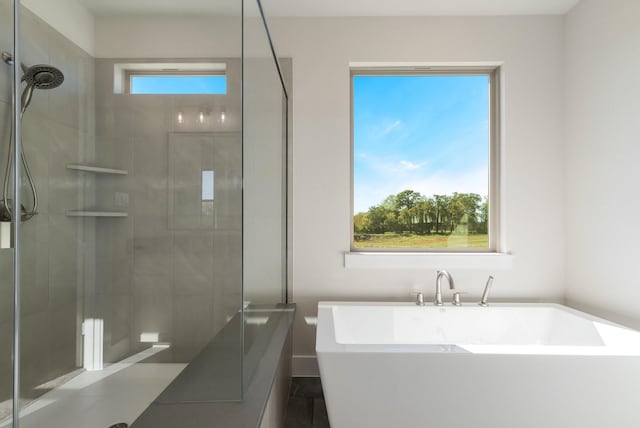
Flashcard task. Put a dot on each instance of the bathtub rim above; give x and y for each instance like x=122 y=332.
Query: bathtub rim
x=326 y=343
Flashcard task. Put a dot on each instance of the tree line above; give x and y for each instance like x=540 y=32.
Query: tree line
x=412 y=212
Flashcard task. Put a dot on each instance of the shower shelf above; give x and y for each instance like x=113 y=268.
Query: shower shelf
x=96 y=213
x=97 y=169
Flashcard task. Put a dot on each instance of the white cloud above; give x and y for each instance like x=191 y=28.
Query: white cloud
x=383 y=128
x=410 y=166
x=390 y=127
x=387 y=167
x=475 y=181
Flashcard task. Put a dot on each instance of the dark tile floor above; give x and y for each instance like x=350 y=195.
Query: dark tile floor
x=306 y=408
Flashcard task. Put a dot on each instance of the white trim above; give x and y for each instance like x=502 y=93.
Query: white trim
x=419 y=64
x=171 y=67
x=492 y=261
x=304 y=366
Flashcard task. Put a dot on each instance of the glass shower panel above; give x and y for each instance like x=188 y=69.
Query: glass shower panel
x=131 y=261
x=168 y=282
x=6 y=252
x=264 y=155
x=264 y=198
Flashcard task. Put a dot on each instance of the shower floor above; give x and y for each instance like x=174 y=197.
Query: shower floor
x=119 y=393
x=6 y=407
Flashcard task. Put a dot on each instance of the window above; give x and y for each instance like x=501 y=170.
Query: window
x=208 y=185
x=177 y=84
x=424 y=149
x=167 y=78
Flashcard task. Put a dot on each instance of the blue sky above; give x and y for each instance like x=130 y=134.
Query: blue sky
x=181 y=84
x=425 y=133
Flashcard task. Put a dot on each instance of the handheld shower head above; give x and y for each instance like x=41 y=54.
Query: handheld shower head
x=43 y=76
x=27 y=93
x=39 y=76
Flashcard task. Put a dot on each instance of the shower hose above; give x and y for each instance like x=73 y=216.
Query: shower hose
x=6 y=213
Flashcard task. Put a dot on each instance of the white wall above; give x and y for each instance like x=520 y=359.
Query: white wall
x=69 y=17
x=531 y=49
x=167 y=37
x=603 y=154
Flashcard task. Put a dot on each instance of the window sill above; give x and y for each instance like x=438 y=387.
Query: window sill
x=493 y=261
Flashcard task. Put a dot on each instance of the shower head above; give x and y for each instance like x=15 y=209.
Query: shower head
x=43 y=76
x=39 y=76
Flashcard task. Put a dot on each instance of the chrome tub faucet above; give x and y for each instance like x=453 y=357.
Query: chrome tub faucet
x=452 y=285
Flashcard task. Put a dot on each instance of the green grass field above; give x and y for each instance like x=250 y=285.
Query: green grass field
x=394 y=240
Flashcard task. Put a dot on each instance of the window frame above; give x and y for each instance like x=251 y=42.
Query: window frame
x=495 y=224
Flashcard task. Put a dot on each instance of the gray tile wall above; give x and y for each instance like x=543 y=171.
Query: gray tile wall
x=56 y=250
x=156 y=270
x=169 y=268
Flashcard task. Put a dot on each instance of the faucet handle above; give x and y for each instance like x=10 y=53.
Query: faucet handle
x=419 y=298
x=457 y=301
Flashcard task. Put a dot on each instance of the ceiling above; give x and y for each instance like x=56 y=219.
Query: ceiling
x=335 y=7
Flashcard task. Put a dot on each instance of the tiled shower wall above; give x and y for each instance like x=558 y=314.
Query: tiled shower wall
x=173 y=266
x=162 y=269
x=57 y=130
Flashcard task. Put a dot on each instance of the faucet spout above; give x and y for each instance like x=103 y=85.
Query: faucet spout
x=452 y=285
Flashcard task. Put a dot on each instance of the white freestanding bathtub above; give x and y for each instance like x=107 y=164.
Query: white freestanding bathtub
x=394 y=365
